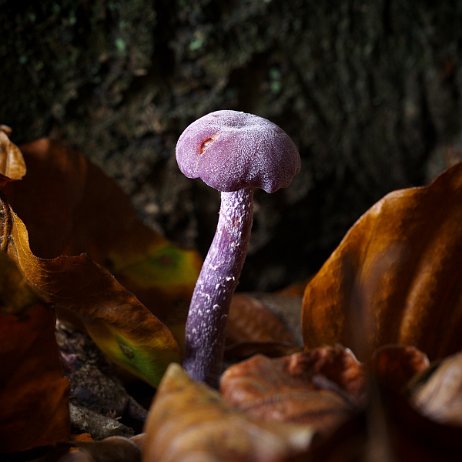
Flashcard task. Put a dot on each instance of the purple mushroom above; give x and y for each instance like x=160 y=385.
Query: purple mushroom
x=233 y=152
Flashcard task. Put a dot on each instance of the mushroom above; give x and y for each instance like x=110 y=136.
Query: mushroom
x=233 y=152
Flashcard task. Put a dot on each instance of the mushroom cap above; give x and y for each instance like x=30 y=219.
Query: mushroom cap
x=231 y=150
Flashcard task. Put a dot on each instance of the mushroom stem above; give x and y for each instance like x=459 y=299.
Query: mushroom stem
x=205 y=326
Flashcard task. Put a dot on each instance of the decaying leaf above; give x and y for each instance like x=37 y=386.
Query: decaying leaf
x=189 y=422
x=263 y=323
x=389 y=429
x=118 y=322
x=440 y=397
x=264 y=318
x=395 y=278
x=321 y=388
x=12 y=165
x=70 y=206
x=396 y=365
x=111 y=449
x=33 y=389
x=31 y=375
x=15 y=293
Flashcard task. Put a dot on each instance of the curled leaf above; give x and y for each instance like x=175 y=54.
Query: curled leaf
x=440 y=397
x=261 y=323
x=395 y=277
x=68 y=206
x=189 y=421
x=16 y=295
x=263 y=318
x=33 y=389
x=396 y=365
x=320 y=388
x=12 y=165
x=118 y=322
x=82 y=210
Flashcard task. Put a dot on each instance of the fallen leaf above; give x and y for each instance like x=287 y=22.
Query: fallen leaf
x=118 y=322
x=12 y=165
x=395 y=365
x=389 y=429
x=189 y=421
x=321 y=388
x=395 y=277
x=440 y=397
x=240 y=351
x=70 y=206
x=251 y=319
x=111 y=449
x=16 y=295
x=33 y=389
x=263 y=323
x=31 y=375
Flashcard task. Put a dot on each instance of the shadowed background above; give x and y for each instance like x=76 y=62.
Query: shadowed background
x=369 y=91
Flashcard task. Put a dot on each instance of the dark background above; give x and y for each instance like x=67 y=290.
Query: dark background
x=369 y=91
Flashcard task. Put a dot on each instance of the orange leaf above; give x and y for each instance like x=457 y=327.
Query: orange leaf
x=395 y=277
x=70 y=206
x=188 y=420
x=395 y=365
x=122 y=326
x=33 y=390
x=12 y=165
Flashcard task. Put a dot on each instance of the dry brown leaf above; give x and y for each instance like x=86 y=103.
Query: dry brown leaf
x=16 y=295
x=263 y=318
x=189 y=422
x=395 y=365
x=70 y=206
x=322 y=387
x=389 y=429
x=111 y=449
x=12 y=165
x=395 y=278
x=440 y=397
x=118 y=322
x=33 y=389
x=31 y=375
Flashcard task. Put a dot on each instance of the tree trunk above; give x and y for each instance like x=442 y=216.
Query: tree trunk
x=369 y=91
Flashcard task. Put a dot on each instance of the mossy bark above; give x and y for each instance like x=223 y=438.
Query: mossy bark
x=370 y=92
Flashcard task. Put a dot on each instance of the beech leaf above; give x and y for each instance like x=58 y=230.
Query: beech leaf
x=33 y=389
x=113 y=449
x=118 y=322
x=321 y=388
x=71 y=206
x=396 y=365
x=12 y=165
x=263 y=323
x=395 y=277
x=440 y=397
x=189 y=421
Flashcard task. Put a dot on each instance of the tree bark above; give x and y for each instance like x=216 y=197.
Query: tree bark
x=370 y=92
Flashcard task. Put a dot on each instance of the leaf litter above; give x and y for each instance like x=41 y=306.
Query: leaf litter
x=390 y=293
